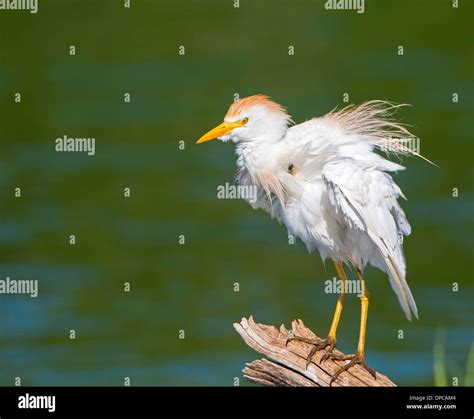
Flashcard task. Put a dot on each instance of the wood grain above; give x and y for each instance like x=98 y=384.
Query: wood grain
x=285 y=364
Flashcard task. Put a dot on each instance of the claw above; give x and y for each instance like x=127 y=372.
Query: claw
x=290 y=337
x=313 y=350
x=317 y=345
x=329 y=352
x=353 y=360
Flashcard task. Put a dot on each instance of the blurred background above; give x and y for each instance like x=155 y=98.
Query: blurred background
x=175 y=98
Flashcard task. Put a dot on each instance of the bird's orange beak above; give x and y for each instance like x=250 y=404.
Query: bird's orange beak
x=219 y=131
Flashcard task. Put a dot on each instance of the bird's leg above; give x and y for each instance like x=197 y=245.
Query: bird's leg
x=359 y=356
x=331 y=340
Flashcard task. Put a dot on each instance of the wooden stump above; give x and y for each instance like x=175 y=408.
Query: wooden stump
x=285 y=365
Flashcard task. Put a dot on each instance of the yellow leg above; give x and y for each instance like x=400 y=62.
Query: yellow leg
x=331 y=339
x=340 y=301
x=359 y=356
x=364 y=309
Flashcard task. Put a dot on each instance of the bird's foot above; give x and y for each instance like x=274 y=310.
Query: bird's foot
x=318 y=344
x=358 y=358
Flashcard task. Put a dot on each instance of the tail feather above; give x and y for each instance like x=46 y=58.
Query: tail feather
x=401 y=288
x=397 y=279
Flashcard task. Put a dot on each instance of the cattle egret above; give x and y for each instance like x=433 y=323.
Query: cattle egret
x=324 y=180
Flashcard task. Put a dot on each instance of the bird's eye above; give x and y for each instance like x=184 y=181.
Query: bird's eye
x=244 y=121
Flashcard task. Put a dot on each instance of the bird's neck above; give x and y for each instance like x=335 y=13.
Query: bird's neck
x=251 y=155
x=256 y=163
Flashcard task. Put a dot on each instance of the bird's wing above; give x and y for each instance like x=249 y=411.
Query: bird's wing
x=366 y=198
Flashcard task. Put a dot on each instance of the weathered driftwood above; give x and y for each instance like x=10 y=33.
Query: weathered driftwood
x=286 y=365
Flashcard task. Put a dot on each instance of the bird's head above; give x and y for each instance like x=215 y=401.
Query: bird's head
x=252 y=118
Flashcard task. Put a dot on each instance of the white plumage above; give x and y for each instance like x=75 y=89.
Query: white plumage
x=324 y=180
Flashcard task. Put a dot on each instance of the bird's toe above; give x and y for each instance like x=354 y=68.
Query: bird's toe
x=354 y=359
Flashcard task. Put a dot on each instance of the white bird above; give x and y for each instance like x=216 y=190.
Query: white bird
x=324 y=180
